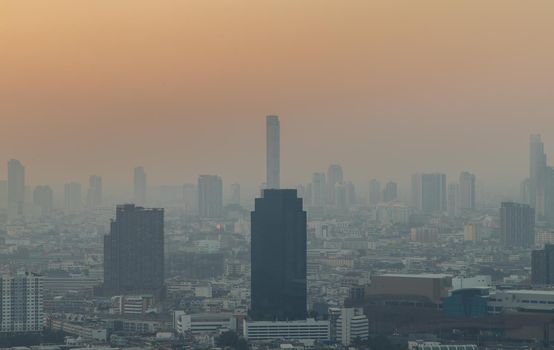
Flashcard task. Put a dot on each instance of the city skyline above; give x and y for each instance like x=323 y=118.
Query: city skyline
x=383 y=74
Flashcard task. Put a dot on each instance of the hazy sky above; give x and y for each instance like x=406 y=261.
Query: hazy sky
x=386 y=88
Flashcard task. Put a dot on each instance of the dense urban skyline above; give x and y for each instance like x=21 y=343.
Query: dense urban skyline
x=368 y=84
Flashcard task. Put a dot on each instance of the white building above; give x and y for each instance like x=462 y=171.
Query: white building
x=202 y=323
x=309 y=329
x=460 y=282
x=352 y=324
x=21 y=303
x=521 y=300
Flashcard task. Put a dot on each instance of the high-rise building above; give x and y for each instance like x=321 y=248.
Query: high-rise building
x=16 y=188
x=429 y=192
x=467 y=191
x=390 y=193
x=94 y=195
x=210 y=196
x=525 y=191
x=537 y=166
x=43 y=198
x=73 y=196
x=3 y=194
x=453 y=200
x=21 y=303
x=341 y=197
x=334 y=176
x=235 y=194
x=374 y=192
x=517 y=225
x=352 y=325
x=318 y=189
x=278 y=257
x=542 y=266
x=134 y=251
x=139 y=186
x=273 y=140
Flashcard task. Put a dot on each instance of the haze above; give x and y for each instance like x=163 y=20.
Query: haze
x=386 y=88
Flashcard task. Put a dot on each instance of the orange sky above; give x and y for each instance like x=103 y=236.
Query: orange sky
x=387 y=88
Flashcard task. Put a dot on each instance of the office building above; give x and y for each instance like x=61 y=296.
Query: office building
x=72 y=195
x=94 y=194
x=273 y=145
x=210 y=196
x=16 y=188
x=517 y=225
x=334 y=176
x=390 y=193
x=429 y=192
x=278 y=257
x=139 y=194
x=134 y=251
x=319 y=190
x=21 y=303
x=374 y=192
x=542 y=266
x=235 y=194
x=310 y=329
x=190 y=199
x=43 y=198
x=352 y=325
x=467 y=191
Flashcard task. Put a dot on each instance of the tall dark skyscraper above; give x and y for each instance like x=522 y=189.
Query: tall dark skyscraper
x=278 y=257
x=139 y=186
x=210 y=196
x=94 y=195
x=16 y=188
x=542 y=266
x=273 y=155
x=517 y=225
x=134 y=251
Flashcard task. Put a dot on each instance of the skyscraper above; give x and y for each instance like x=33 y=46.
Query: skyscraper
x=235 y=194
x=273 y=139
x=517 y=225
x=542 y=266
x=334 y=176
x=278 y=257
x=190 y=199
x=537 y=165
x=429 y=192
x=94 y=195
x=467 y=191
x=318 y=189
x=73 y=196
x=210 y=196
x=134 y=251
x=374 y=192
x=43 y=198
x=16 y=188
x=139 y=186
x=390 y=193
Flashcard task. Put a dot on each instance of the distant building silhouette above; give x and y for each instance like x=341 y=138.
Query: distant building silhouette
x=94 y=195
x=139 y=194
x=334 y=176
x=235 y=194
x=273 y=139
x=453 y=200
x=43 y=198
x=517 y=225
x=210 y=196
x=278 y=257
x=429 y=192
x=16 y=188
x=319 y=190
x=374 y=192
x=73 y=196
x=390 y=193
x=467 y=191
x=134 y=251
